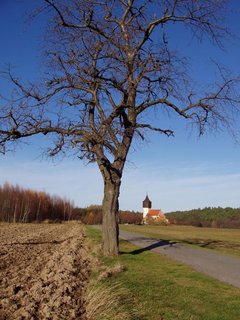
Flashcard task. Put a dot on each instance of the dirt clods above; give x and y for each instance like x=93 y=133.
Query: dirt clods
x=43 y=272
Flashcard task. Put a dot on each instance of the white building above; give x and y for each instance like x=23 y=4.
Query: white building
x=154 y=214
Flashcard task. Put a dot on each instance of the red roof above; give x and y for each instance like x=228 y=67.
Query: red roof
x=155 y=213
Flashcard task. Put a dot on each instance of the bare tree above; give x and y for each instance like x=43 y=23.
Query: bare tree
x=26 y=205
x=108 y=64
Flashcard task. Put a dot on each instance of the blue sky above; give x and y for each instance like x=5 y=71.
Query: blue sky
x=178 y=173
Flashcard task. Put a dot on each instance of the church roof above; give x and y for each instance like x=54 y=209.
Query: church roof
x=147 y=203
x=156 y=213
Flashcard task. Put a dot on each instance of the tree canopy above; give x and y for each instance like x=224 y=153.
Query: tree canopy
x=108 y=63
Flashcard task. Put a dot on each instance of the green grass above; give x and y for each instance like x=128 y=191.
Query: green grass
x=224 y=240
x=160 y=289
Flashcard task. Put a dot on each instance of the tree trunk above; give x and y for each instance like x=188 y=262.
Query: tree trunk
x=110 y=229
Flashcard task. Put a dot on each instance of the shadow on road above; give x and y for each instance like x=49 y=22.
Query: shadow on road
x=155 y=245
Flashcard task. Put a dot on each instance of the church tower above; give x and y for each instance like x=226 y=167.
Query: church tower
x=147 y=204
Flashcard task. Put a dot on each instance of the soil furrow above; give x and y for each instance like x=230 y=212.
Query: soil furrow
x=43 y=271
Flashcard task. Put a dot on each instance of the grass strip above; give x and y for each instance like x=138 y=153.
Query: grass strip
x=160 y=289
x=221 y=240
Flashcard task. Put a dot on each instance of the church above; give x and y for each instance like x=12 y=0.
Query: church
x=152 y=214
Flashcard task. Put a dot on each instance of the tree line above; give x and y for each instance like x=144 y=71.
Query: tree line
x=207 y=217
x=26 y=205
x=94 y=215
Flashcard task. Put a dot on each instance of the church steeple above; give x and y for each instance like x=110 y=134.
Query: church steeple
x=150 y=214
x=147 y=203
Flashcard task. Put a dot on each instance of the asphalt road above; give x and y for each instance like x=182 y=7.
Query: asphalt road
x=219 y=266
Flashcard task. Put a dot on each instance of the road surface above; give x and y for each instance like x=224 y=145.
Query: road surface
x=217 y=265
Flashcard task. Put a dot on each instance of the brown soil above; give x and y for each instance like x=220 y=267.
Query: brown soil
x=43 y=271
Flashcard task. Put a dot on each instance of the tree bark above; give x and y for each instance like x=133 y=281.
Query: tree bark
x=110 y=228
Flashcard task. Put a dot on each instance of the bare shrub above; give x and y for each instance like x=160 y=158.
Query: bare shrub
x=105 y=302
x=110 y=271
x=157 y=221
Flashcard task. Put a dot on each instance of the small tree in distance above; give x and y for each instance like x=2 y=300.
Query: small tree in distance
x=108 y=64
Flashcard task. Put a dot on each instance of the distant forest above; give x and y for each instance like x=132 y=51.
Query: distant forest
x=93 y=215
x=26 y=205
x=207 y=217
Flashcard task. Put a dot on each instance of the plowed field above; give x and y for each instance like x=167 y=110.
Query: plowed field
x=43 y=271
